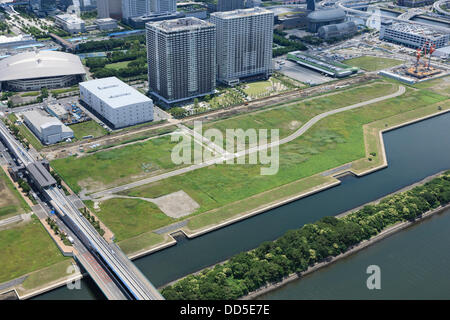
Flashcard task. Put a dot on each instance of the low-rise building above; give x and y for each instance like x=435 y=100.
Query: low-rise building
x=70 y=22
x=47 y=129
x=106 y=24
x=57 y=110
x=116 y=102
x=338 y=31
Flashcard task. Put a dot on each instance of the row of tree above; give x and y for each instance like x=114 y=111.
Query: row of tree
x=299 y=249
x=111 y=44
x=288 y=45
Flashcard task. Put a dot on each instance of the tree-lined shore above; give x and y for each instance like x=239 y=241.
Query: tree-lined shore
x=299 y=249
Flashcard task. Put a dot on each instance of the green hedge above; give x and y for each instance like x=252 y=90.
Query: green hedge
x=299 y=249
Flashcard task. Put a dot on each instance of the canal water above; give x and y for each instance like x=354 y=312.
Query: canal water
x=414 y=264
x=432 y=22
x=414 y=152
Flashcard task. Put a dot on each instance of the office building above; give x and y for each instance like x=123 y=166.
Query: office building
x=181 y=59
x=106 y=24
x=116 y=102
x=43 y=7
x=160 y=6
x=414 y=3
x=244 y=44
x=137 y=8
x=109 y=9
x=229 y=5
x=47 y=129
x=70 y=22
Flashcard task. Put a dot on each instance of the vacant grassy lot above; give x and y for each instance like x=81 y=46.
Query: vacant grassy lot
x=144 y=240
x=11 y=202
x=290 y=117
x=87 y=128
x=117 y=166
x=25 y=249
x=30 y=94
x=129 y=217
x=47 y=275
x=441 y=85
x=117 y=65
x=370 y=63
x=333 y=141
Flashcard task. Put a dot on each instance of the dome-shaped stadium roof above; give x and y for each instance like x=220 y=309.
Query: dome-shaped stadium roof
x=327 y=15
x=30 y=65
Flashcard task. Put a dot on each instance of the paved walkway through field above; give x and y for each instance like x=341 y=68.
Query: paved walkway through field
x=226 y=157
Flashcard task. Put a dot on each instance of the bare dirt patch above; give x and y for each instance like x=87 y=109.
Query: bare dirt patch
x=177 y=204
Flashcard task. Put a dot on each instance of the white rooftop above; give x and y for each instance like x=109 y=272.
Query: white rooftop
x=30 y=65
x=41 y=121
x=114 y=92
x=241 y=13
x=70 y=18
x=181 y=24
x=5 y=39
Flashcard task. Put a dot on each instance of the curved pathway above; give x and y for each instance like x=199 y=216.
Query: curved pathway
x=222 y=159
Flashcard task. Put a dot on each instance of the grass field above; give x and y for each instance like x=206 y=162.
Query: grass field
x=87 y=128
x=64 y=90
x=440 y=85
x=370 y=63
x=11 y=202
x=129 y=217
x=117 y=65
x=226 y=190
x=144 y=240
x=334 y=141
x=30 y=94
x=44 y=276
x=289 y=117
x=25 y=249
x=117 y=166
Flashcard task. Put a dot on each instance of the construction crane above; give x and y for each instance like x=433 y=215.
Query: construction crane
x=419 y=53
x=430 y=52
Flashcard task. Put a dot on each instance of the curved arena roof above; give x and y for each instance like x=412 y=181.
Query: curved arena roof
x=327 y=15
x=31 y=65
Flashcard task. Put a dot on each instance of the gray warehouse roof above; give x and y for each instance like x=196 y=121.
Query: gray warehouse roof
x=114 y=92
x=326 y=15
x=30 y=65
x=41 y=175
x=41 y=121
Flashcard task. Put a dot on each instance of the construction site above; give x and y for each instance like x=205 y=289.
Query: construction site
x=420 y=69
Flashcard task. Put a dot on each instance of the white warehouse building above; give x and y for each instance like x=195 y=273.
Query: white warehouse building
x=119 y=104
x=47 y=129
